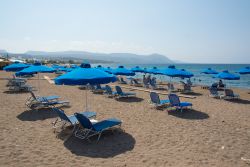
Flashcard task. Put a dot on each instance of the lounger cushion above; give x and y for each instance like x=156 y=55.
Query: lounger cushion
x=48 y=98
x=87 y=114
x=164 y=101
x=185 y=104
x=128 y=94
x=102 y=125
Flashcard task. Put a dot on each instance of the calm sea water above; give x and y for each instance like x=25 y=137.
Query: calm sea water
x=199 y=78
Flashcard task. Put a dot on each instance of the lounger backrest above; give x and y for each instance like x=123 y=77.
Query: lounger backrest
x=154 y=97
x=174 y=99
x=61 y=114
x=84 y=121
x=213 y=91
x=187 y=87
x=135 y=81
x=98 y=86
x=229 y=92
x=108 y=89
x=33 y=95
x=118 y=89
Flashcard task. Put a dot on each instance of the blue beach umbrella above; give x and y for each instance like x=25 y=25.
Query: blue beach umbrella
x=36 y=68
x=171 y=71
x=227 y=76
x=186 y=74
x=121 y=70
x=209 y=71
x=245 y=70
x=85 y=75
x=137 y=69
x=154 y=70
x=16 y=67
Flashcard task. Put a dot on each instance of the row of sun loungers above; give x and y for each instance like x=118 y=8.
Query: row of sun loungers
x=173 y=101
x=38 y=102
x=84 y=126
x=228 y=94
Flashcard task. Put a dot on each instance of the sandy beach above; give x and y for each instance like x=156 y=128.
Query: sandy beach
x=214 y=133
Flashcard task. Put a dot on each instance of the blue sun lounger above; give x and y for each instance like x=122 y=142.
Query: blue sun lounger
x=87 y=129
x=109 y=92
x=156 y=101
x=71 y=119
x=175 y=102
x=120 y=93
x=43 y=102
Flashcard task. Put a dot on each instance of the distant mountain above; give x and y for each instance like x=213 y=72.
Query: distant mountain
x=126 y=58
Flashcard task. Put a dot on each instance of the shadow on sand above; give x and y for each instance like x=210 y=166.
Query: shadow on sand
x=192 y=93
x=130 y=99
x=35 y=115
x=189 y=114
x=239 y=101
x=109 y=145
x=15 y=92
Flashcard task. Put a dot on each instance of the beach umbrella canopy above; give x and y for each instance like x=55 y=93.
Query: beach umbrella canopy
x=121 y=70
x=15 y=67
x=85 y=75
x=36 y=68
x=137 y=69
x=108 y=69
x=56 y=66
x=209 y=71
x=227 y=76
x=154 y=70
x=245 y=70
x=186 y=74
x=171 y=71
x=65 y=69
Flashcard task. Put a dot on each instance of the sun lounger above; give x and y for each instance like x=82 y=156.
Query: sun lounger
x=136 y=83
x=175 y=102
x=44 y=102
x=20 y=87
x=64 y=120
x=155 y=100
x=109 y=92
x=120 y=93
x=170 y=87
x=214 y=93
x=97 y=89
x=16 y=81
x=121 y=81
x=86 y=129
x=186 y=88
x=229 y=94
x=34 y=97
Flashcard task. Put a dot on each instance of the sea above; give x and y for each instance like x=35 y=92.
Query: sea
x=200 y=79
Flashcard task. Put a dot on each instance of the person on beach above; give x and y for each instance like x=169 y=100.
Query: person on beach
x=220 y=84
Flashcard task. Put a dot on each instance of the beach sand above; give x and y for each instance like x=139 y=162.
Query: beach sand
x=215 y=133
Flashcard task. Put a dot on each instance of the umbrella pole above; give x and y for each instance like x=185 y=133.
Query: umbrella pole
x=86 y=99
x=38 y=83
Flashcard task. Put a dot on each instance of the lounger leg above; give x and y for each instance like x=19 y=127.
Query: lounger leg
x=99 y=137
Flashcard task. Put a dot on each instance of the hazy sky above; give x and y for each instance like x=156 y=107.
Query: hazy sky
x=211 y=31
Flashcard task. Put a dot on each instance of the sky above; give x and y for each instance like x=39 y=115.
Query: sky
x=197 y=31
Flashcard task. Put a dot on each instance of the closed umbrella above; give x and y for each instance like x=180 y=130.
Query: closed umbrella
x=85 y=75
